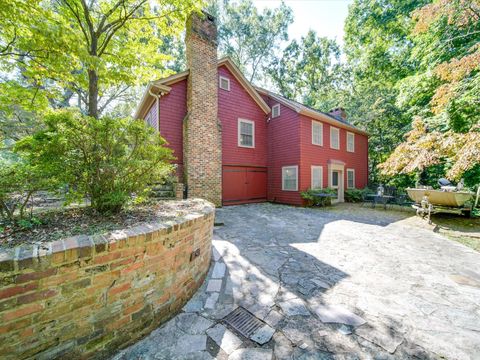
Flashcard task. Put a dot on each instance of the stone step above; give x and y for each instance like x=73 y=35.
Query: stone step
x=162 y=194
x=163 y=187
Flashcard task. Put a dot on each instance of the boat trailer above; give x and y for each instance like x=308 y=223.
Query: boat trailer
x=425 y=208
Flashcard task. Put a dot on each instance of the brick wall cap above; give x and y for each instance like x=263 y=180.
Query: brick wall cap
x=34 y=256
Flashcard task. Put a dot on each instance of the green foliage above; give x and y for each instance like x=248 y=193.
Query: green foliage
x=355 y=195
x=106 y=159
x=309 y=71
x=250 y=37
x=312 y=197
x=19 y=180
x=91 y=51
x=29 y=223
x=415 y=59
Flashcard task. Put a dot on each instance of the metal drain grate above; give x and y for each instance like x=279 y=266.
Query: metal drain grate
x=243 y=321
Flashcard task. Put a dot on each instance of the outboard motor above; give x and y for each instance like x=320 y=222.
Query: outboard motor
x=446 y=185
x=444 y=182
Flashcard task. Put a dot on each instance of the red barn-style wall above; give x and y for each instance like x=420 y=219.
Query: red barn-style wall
x=244 y=169
x=173 y=109
x=284 y=150
x=255 y=174
x=235 y=104
x=320 y=155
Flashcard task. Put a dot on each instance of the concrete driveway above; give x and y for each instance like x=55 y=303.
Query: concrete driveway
x=338 y=283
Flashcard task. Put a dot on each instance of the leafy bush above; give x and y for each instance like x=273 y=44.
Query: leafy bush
x=18 y=182
x=355 y=195
x=312 y=198
x=106 y=159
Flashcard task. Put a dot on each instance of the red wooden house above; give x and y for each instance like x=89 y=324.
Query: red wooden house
x=236 y=143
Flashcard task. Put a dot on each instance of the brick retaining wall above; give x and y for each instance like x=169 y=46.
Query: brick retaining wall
x=87 y=296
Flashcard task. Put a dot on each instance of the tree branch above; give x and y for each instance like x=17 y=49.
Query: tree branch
x=76 y=14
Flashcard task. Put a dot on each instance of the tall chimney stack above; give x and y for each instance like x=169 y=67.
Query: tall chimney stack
x=202 y=132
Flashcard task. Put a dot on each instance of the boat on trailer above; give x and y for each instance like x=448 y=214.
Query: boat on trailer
x=447 y=200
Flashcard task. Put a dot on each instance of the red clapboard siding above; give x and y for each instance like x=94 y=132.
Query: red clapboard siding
x=283 y=150
x=235 y=104
x=319 y=155
x=173 y=108
x=283 y=141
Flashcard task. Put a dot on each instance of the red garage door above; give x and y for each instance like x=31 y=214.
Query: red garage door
x=244 y=184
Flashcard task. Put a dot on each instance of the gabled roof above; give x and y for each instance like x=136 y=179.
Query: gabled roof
x=162 y=86
x=310 y=112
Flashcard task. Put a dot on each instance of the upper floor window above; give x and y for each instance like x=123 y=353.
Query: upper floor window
x=246 y=133
x=317 y=177
x=290 y=178
x=275 y=111
x=350 y=142
x=334 y=138
x=224 y=83
x=350 y=179
x=317 y=133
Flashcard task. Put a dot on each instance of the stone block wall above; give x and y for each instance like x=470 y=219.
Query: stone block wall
x=87 y=296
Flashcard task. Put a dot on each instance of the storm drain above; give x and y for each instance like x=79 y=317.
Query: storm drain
x=243 y=321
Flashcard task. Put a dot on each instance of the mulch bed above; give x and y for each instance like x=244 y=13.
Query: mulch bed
x=61 y=223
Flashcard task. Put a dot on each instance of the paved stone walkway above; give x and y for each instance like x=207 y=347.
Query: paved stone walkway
x=340 y=283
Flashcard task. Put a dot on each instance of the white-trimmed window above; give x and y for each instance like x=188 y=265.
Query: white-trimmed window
x=275 y=111
x=334 y=138
x=350 y=142
x=317 y=177
x=317 y=133
x=290 y=178
x=246 y=133
x=224 y=83
x=350 y=178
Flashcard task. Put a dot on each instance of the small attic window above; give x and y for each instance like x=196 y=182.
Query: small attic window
x=275 y=111
x=224 y=83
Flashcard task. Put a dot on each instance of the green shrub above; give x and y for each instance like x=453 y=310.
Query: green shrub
x=312 y=198
x=354 y=195
x=18 y=182
x=106 y=159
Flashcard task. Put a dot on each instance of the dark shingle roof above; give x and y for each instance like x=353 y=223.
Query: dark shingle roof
x=298 y=106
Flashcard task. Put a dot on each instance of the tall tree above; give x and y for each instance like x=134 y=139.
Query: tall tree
x=446 y=43
x=310 y=71
x=250 y=37
x=378 y=50
x=96 y=49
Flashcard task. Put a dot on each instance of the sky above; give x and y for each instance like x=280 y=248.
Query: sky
x=326 y=17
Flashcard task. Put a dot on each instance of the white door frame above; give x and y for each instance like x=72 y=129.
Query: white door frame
x=340 y=167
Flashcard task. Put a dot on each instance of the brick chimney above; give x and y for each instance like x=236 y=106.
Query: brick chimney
x=339 y=112
x=202 y=133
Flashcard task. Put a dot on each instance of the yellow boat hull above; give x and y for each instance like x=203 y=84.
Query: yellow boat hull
x=441 y=198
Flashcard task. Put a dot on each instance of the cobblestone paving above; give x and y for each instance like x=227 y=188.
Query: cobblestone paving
x=340 y=283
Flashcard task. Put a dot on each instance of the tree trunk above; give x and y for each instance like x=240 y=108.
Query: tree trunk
x=92 y=93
